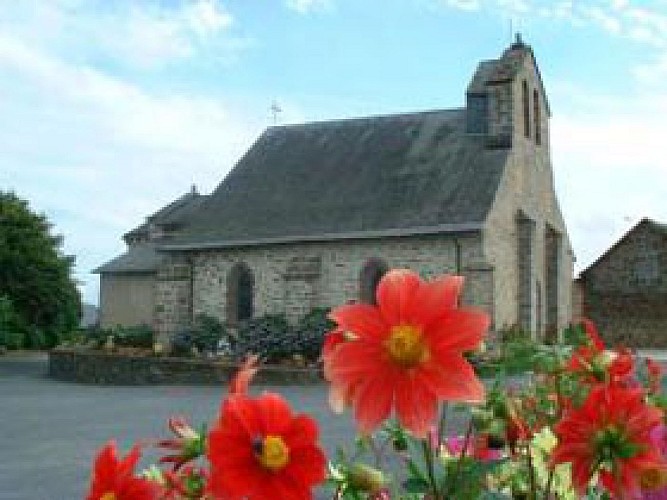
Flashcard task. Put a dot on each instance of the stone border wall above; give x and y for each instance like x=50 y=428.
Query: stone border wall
x=94 y=367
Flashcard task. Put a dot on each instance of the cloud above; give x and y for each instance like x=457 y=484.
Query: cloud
x=145 y=34
x=97 y=153
x=467 y=5
x=608 y=166
x=310 y=6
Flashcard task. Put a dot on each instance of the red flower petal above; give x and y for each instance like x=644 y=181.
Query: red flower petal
x=458 y=382
x=396 y=294
x=275 y=414
x=372 y=403
x=362 y=320
x=436 y=298
x=459 y=331
x=416 y=406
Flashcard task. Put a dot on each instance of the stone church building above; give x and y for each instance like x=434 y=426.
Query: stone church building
x=313 y=215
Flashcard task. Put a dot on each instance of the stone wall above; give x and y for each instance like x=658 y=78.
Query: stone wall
x=291 y=279
x=625 y=292
x=94 y=367
x=532 y=260
x=637 y=320
x=173 y=296
x=637 y=263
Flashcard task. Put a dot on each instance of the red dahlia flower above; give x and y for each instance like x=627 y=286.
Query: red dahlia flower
x=611 y=435
x=258 y=449
x=406 y=353
x=114 y=479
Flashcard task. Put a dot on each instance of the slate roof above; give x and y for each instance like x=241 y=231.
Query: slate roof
x=143 y=257
x=139 y=258
x=171 y=217
x=364 y=177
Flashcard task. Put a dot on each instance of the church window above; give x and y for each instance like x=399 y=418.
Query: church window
x=526 y=109
x=536 y=117
x=240 y=293
x=370 y=276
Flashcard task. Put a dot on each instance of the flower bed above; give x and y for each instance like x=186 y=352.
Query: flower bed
x=99 y=367
x=591 y=425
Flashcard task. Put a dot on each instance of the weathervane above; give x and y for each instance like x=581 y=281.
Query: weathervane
x=275 y=109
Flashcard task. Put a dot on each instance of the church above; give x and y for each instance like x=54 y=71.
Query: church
x=314 y=214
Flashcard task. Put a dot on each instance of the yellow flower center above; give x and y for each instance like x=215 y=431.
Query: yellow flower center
x=274 y=453
x=109 y=495
x=406 y=346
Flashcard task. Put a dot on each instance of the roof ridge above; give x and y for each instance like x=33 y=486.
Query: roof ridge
x=382 y=116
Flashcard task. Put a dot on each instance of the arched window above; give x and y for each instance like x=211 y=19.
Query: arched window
x=526 y=108
x=240 y=293
x=370 y=276
x=536 y=117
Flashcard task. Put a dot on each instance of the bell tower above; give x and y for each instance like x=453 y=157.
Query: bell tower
x=505 y=100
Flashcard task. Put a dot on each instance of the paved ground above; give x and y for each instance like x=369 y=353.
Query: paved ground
x=49 y=431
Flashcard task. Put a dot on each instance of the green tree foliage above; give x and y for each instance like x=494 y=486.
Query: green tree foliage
x=35 y=276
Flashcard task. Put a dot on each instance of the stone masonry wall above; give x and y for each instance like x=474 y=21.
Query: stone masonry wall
x=527 y=188
x=625 y=293
x=173 y=296
x=338 y=278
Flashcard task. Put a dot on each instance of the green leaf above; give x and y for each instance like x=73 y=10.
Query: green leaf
x=416 y=485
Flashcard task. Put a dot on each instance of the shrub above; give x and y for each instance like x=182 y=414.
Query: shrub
x=204 y=335
x=94 y=336
x=268 y=336
x=310 y=333
x=133 y=336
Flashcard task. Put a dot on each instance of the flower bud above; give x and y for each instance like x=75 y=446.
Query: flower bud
x=365 y=478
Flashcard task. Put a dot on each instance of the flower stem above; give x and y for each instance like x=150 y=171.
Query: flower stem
x=430 y=469
x=462 y=455
x=442 y=428
x=531 y=473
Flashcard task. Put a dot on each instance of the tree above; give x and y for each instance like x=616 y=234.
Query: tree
x=35 y=275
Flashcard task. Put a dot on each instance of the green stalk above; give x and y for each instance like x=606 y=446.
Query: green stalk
x=430 y=468
x=459 y=463
x=442 y=428
x=531 y=474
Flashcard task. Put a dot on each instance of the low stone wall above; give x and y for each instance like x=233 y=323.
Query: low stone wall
x=95 y=367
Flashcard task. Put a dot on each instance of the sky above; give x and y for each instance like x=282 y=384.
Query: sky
x=109 y=110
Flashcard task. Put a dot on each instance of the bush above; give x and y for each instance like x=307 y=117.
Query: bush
x=268 y=336
x=310 y=333
x=204 y=335
x=274 y=340
x=133 y=336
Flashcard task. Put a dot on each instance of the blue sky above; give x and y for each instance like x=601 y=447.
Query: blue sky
x=112 y=109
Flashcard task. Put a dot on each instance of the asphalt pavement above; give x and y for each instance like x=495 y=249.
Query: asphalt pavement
x=50 y=430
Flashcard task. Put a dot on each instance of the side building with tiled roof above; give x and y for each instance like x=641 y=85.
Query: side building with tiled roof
x=625 y=290
x=313 y=214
